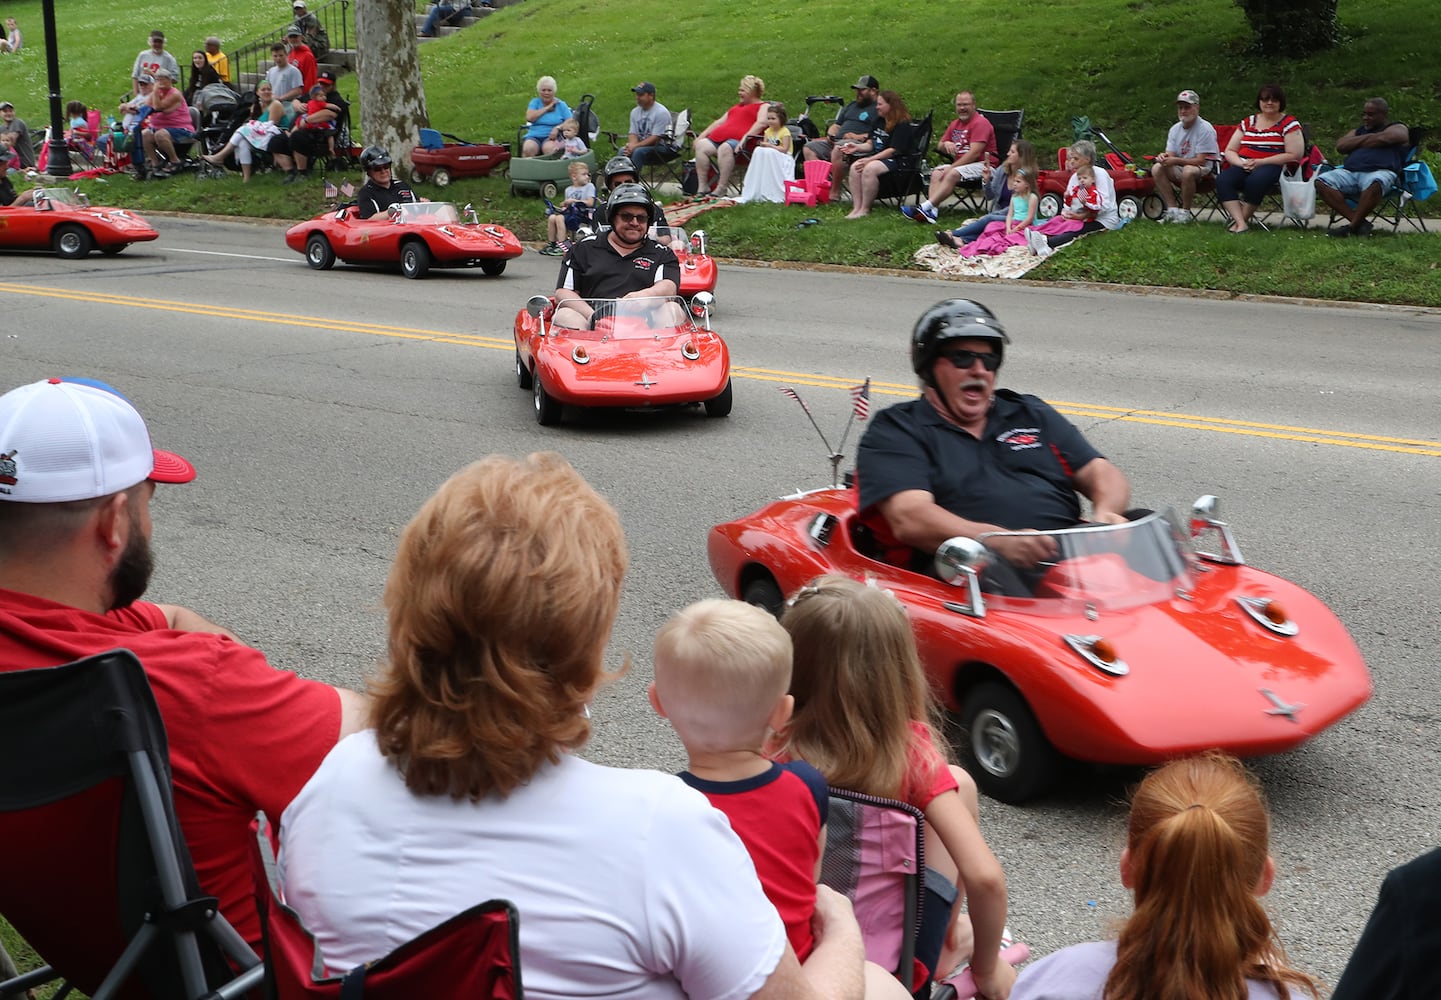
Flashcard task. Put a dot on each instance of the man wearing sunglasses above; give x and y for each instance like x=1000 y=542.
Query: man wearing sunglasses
x=970 y=459
x=622 y=262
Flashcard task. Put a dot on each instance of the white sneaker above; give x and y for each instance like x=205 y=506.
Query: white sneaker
x=1182 y=216
x=1169 y=215
x=1037 y=242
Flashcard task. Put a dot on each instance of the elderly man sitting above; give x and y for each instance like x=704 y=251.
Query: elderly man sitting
x=1375 y=156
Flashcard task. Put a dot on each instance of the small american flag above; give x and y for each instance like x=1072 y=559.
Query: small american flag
x=861 y=399
x=347 y=189
x=787 y=390
x=331 y=191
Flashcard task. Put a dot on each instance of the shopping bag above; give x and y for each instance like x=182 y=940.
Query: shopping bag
x=1298 y=196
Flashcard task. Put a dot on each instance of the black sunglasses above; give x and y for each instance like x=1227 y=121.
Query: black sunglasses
x=964 y=359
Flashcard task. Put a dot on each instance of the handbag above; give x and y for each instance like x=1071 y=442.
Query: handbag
x=1298 y=195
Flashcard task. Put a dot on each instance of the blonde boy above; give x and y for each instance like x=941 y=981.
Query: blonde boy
x=722 y=670
x=574 y=212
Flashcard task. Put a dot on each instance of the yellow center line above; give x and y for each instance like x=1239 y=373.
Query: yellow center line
x=1158 y=418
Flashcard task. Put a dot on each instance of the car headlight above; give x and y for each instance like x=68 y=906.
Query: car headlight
x=1099 y=653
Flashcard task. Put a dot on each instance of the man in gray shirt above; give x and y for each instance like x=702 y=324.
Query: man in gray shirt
x=849 y=135
x=19 y=133
x=284 y=78
x=649 y=140
x=152 y=59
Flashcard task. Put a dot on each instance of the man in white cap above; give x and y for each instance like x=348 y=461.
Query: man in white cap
x=312 y=30
x=1191 y=153
x=152 y=59
x=77 y=471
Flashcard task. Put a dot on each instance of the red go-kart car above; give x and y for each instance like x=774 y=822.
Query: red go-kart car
x=642 y=352
x=697 y=268
x=417 y=235
x=1127 y=646
x=443 y=161
x=63 y=220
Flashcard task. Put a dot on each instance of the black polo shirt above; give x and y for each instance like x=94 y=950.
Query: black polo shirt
x=374 y=199
x=1017 y=475
x=594 y=269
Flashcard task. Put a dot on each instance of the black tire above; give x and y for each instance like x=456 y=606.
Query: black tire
x=1004 y=748
x=764 y=592
x=1153 y=207
x=72 y=242
x=547 y=410
x=549 y=189
x=113 y=249
x=522 y=373
x=414 y=259
x=318 y=252
x=720 y=405
x=1128 y=207
x=1048 y=206
x=493 y=267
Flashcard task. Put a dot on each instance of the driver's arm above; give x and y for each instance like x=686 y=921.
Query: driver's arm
x=669 y=283
x=917 y=520
x=1106 y=486
x=661 y=289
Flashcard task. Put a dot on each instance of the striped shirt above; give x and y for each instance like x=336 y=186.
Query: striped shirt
x=1258 y=143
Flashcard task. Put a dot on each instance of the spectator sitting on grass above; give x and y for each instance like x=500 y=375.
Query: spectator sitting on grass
x=1375 y=154
x=1260 y=148
x=1021 y=156
x=1089 y=203
x=575 y=211
x=970 y=141
x=1191 y=153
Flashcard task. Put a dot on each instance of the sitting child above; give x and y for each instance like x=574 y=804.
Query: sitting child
x=572 y=145
x=863 y=716
x=998 y=237
x=79 y=136
x=574 y=212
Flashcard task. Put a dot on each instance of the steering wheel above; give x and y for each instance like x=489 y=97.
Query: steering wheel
x=604 y=309
x=393 y=213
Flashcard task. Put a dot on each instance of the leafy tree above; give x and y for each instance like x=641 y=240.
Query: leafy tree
x=1291 y=27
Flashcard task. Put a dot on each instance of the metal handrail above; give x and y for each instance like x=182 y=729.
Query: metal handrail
x=254 y=56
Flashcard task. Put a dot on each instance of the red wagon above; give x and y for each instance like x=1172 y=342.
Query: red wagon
x=443 y=161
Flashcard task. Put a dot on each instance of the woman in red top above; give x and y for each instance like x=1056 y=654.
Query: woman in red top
x=1263 y=145
x=724 y=136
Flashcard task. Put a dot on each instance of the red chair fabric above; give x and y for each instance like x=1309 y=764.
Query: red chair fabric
x=475 y=954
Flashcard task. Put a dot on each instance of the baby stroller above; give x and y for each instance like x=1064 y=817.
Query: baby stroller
x=217 y=125
x=803 y=127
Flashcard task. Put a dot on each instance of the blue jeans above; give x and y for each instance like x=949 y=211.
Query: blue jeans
x=658 y=153
x=971 y=230
x=442 y=11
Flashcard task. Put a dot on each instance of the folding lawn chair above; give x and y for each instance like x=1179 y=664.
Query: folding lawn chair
x=970 y=195
x=475 y=954
x=1415 y=184
x=875 y=855
x=676 y=138
x=906 y=180
x=100 y=882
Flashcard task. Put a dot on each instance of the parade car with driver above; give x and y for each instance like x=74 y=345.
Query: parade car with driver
x=415 y=235
x=63 y=220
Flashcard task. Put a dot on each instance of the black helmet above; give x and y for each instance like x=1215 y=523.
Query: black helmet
x=373 y=158
x=630 y=194
x=618 y=165
x=953 y=319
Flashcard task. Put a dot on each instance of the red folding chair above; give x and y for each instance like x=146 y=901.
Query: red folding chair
x=475 y=954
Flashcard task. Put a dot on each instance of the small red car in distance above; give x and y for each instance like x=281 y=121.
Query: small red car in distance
x=1131 y=646
x=629 y=353
x=697 y=269
x=63 y=220
x=417 y=236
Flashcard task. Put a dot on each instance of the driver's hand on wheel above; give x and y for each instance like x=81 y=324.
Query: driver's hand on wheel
x=1024 y=549
x=1108 y=517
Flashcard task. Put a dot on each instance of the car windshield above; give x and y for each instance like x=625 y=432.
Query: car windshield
x=61 y=196
x=1104 y=565
x=633 y=319
x=429 y=213
x=672 y=236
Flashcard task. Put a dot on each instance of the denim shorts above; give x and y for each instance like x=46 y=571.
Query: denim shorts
x=1353 y=182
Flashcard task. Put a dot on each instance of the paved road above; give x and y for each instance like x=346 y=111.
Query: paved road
x=322 y=409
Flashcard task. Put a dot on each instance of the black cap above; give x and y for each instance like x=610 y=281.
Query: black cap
x=866 y=83
x=644 y=88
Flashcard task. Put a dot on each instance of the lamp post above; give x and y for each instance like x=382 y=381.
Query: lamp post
x=57 y=162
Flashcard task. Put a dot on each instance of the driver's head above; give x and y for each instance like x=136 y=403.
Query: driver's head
x=619 y=170
x=375 y=161
x=631 y=212
x=957 y=348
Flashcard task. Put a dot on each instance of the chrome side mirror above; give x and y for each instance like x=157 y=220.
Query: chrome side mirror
x=960 y=562
x=1205 y=516
x=700 y=307
x=469 y=216
x=537 y=305
x=1204 y=511
x=698 y=241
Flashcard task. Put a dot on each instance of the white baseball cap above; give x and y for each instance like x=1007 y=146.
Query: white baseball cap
x=76 y=439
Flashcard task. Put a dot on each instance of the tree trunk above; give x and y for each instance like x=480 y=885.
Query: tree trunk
x=387 y=69
x=1291 y=27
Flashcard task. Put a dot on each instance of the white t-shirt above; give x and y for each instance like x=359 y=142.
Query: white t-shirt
x=628 y=883
x=1198 y=140
x=1079 y=973
x=1106 y=188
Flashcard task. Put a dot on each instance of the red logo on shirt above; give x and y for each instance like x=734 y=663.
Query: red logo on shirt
x=1021 y=438
x=643 y=263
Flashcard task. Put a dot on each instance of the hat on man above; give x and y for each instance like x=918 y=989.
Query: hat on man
x=5 y=104
x=294 y=31
x=298 y=5
x=866 y=83
x=145 y=78
x=76 y=439
x=157 y=35
x=644 y=88
x=1188 y=97
x=326 y=76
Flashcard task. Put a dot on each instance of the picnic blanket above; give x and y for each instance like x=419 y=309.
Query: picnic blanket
x=1015 y=262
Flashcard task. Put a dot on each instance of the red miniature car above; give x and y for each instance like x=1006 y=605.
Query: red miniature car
x=443 y=161
x=642 y=352
x=697 y=269
x=418 y=235
x=63 y=220
x=1127 y=647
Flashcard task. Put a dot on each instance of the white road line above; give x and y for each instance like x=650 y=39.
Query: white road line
x=242 y=256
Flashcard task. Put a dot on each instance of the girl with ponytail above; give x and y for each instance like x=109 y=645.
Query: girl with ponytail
x=1196 y=861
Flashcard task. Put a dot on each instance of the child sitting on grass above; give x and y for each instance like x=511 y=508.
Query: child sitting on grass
x=863 y=716
x=574 y=212
x=721 y=673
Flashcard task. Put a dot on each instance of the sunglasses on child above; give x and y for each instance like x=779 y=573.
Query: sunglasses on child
x=964 y=359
